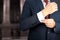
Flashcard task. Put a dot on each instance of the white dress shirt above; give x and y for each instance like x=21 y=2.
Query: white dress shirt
x=39 y=14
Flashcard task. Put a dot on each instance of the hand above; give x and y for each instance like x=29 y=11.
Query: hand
x=50 y=23
x=50 y=8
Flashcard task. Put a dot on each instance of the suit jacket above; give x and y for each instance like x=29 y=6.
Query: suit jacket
x=38 y=30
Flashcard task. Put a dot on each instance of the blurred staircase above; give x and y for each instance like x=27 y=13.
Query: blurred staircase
x=10 y=11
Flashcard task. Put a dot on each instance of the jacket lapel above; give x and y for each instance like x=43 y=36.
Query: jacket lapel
x=39 y=6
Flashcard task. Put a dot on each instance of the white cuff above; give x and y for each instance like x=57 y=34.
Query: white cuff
x=40 y=16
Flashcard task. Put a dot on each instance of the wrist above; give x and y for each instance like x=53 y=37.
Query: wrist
x=44 y=12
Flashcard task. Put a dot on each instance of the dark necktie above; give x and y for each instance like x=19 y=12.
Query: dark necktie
x=46 y=1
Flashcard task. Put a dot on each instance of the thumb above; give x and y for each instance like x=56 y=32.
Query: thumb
x=44 y=21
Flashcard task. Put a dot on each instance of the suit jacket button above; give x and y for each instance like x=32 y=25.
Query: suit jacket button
x=48 y=32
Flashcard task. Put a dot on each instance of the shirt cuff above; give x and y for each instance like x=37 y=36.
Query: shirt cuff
x=40 y=16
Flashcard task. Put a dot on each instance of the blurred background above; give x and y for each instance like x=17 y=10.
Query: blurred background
x=10 y=11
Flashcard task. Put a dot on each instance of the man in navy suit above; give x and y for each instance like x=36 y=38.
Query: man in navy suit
x=33 y=18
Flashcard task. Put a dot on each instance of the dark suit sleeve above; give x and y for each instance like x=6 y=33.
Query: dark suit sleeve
x=56 y=17
x=28 y=20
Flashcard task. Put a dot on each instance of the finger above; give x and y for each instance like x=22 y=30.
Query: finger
x=45 y=21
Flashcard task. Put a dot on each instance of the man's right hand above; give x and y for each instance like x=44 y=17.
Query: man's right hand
x=50 y=8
